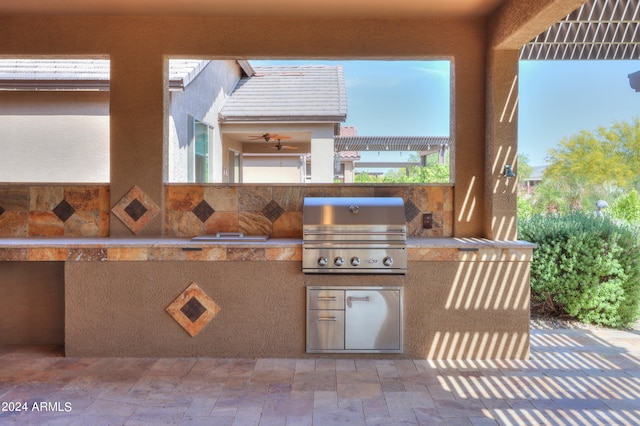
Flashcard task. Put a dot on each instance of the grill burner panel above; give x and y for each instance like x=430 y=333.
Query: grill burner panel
x=355 y=259
x=354 y=235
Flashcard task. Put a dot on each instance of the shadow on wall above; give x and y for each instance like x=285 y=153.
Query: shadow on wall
x=484 y=314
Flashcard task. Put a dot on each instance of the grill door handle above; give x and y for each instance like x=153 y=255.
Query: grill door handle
x=327 y=298
x=358 y=299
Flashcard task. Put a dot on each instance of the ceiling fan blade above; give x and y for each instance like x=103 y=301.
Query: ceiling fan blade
x=280 y=147
x=269 y=136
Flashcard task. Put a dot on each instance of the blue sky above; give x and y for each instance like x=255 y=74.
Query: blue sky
x=556 y=99
x=561 y=98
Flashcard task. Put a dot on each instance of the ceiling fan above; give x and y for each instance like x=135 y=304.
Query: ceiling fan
x=280 y=147
x=268 y=136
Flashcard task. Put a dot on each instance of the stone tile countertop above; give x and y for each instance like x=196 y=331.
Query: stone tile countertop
x=160 y=248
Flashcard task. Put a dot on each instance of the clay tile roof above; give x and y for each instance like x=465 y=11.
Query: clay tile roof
x=349 y=155
x=348 y=131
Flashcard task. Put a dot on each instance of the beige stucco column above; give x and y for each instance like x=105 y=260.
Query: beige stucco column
x=137 y=98
x=509 y=28
x=501 y=144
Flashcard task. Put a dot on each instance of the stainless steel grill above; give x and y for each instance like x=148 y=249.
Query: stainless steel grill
x=354 y=235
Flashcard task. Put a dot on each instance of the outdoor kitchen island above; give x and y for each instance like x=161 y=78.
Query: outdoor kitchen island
x=463 y=298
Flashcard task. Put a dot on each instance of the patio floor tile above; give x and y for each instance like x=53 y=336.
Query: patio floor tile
x=573 y=377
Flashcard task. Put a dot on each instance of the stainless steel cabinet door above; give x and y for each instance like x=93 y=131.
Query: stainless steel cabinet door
x=325 y=330
x=373 y=320
x=325 y=299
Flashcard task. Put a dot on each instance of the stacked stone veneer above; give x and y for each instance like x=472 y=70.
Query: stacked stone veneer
x=60 y=210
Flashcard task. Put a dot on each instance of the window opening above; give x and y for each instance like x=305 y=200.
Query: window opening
x=386 y=122
x=201 y=152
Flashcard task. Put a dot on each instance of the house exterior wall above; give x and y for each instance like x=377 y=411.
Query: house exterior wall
x=279 y=169
x=54 y=136
x=314 y=133
x=322 y=157
x=349 y=171
x=202 y=99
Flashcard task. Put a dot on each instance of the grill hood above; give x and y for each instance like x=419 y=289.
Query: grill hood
x=354 y=218
x=354 y=235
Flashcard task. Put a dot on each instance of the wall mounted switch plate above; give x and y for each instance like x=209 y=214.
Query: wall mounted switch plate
x=427 y=220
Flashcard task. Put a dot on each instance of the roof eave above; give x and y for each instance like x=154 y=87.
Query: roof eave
x=69 y=85
x=283 y=119
x=246 y=67
x=55 y=85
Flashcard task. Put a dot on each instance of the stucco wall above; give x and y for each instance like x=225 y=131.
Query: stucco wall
x=32 y=303
x=118 y=308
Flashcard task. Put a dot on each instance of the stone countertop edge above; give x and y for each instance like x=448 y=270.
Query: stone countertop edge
x=106 y=242
x=467 y=243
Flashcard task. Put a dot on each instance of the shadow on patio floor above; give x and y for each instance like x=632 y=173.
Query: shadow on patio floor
x=573 y=377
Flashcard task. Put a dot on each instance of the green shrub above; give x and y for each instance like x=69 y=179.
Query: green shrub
x=627 y=207
x=586 y=267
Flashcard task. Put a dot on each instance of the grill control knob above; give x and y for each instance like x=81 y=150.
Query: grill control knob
x=322 y=261
x=338 y=261
x=387 y=261
x=355 y=261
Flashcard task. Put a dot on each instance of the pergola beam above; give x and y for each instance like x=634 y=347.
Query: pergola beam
x=599 y=30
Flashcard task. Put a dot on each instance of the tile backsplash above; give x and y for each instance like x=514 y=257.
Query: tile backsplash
x=194 y=209
x=50 y=210
x=55 y=210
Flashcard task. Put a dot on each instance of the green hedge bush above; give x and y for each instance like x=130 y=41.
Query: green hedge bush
x=586 y=267
x=627 y=207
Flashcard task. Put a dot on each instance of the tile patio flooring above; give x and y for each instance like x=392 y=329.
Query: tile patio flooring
x=574 y=377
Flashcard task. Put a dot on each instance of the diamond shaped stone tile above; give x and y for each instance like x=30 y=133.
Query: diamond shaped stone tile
x=64 y=210
x=272 y=211
x=193 y=309
x=410 y=210
x=203 y=211
x=135 y=209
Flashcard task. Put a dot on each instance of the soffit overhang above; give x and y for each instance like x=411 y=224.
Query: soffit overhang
x=344 y=9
